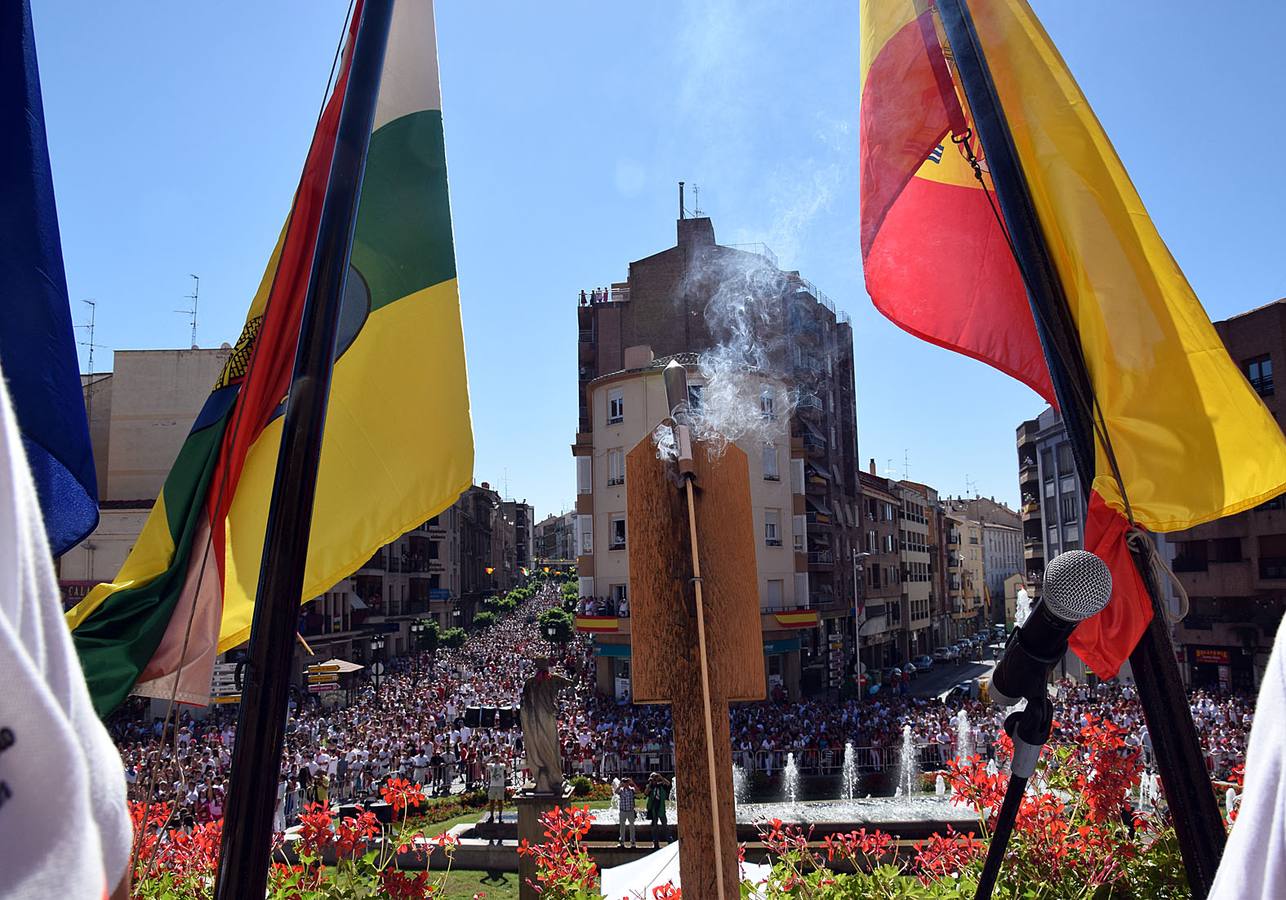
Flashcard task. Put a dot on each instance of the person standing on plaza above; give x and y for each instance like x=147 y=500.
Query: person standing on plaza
x=658 y=794
x=497 y=779
x=627 y=792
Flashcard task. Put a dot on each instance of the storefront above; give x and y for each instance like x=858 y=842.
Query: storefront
x=1220 y=668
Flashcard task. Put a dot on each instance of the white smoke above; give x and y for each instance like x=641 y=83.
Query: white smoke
x=742 y=398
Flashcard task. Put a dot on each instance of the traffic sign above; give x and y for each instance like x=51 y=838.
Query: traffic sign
x=323 y=679
x=377 y=668
x=320 y=668
x=228 y=698
x=322 y=688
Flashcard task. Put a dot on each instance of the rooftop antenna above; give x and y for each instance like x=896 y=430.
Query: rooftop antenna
x=191 y=313
x=507 y=497
x=696 y=193
x=906 y=464
x=681 y=211
x=89 y=332
x=89 y=343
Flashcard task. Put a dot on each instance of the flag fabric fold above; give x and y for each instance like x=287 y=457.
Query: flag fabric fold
x=37 y=338
x=1189 y=438
x=398 y=446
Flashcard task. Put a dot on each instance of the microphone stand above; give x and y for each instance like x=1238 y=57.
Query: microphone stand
x=1029 y=729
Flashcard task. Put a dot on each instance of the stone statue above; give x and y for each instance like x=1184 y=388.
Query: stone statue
x=538 y=713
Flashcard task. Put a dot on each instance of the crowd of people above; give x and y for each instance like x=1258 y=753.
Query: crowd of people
x=415 y=726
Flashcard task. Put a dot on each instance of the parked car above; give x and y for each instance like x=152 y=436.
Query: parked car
x=924 y=663
x=946 y=654
x=965 y=690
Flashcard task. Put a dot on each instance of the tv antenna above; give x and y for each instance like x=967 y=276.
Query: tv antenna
x=89 y=334
x=90 y=345
x=906 y=464
x=696 y=201
x=191 y=312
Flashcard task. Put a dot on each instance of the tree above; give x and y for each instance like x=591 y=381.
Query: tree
x=557 y=625
x=453 y=637
x=484 y=619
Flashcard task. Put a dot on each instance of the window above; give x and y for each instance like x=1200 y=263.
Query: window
x=771 y=471
x=617 y=532
x=871 y=545
x=797 y=476
x=1047 y=465
x=696 y=395
x=615 y=466
x=1066 y=465
x=801 y=533
x=889 y=545
x=772 y=527
x=768 y=402
x=1260 y=373
x=773 y=597
x=801 y=590
x=620 y=599
x=615 y=406
x=584 y=475
x=585 y=524
x=1069 y=508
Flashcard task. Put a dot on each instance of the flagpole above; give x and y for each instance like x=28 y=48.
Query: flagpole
x=1197 y=821
x=256 y=758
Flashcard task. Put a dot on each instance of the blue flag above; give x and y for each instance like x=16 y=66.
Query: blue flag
x=37 y=343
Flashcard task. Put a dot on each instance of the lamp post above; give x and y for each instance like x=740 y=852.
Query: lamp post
x=417 y=638
x=377 y=665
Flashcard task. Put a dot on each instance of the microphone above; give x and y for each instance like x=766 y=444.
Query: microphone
x=1077 y=585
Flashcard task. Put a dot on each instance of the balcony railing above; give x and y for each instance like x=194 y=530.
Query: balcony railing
x=821 y=557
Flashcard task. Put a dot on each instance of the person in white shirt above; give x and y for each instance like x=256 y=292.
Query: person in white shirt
x=1254 y=861
x=57 y=763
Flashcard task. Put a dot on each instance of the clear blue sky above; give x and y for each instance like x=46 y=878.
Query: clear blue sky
x=177 y=132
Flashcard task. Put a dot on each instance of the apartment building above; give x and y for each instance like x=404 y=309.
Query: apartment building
x=879 y=620
x=678 y=301
x=917 y=540
x=1234 y=569
x=554 y=538
x=625 y=409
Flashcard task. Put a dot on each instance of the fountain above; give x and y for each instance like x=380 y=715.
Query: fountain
x=908 y=767
x=964 y=737
x=848 y=773
x=940 y=786
x=992 y=769
x=790 y=779
x=740 y=787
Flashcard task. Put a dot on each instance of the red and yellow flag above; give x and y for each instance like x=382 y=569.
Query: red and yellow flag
x=1191 y=440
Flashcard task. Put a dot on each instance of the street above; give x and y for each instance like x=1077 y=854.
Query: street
x=946 y=675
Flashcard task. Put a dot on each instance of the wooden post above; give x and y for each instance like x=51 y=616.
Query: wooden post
x=666 y=659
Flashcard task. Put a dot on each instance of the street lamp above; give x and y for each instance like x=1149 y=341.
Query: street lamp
x=418 y=628
x=377 y=665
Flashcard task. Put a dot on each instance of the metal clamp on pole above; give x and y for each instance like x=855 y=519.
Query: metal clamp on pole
x=1029 y=730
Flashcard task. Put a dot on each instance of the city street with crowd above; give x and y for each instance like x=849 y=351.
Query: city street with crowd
x=415 y=726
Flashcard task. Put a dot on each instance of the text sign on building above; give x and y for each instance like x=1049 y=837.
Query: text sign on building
x=1215 y=655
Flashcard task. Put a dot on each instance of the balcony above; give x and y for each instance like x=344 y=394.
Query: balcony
x=821 y=559
x=814 y=443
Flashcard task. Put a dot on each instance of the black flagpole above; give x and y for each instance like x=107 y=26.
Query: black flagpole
x=1197 y=821
x=256 y=759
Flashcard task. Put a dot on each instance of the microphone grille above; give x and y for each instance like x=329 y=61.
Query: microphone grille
x=1077 y=585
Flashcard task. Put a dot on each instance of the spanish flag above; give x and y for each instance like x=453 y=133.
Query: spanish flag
x=1190 y=439
x=398 y=446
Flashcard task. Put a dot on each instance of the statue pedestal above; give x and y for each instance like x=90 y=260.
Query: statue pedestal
x=531 y=806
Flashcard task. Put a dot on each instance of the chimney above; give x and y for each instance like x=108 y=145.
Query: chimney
x=485 y=486
x=872 y=465
x=637 y=357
